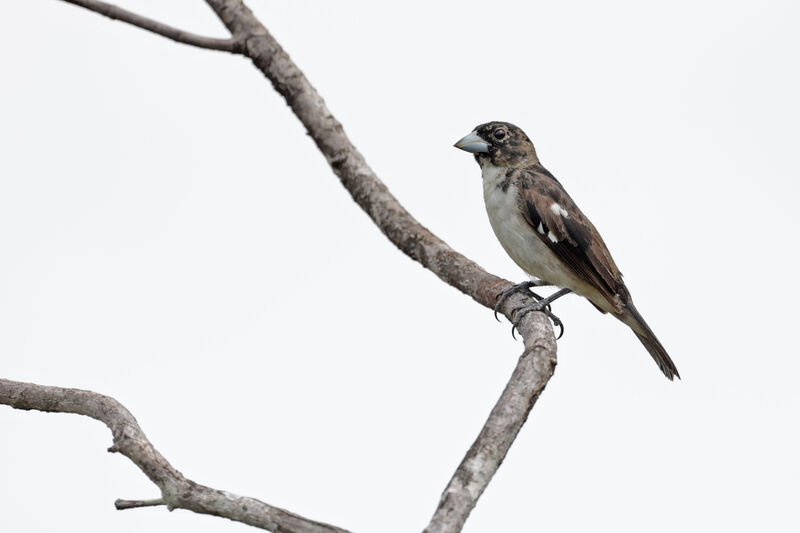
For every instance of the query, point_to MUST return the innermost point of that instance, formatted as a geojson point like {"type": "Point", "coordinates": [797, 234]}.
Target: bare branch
{"type": "Point", "coordinates": [535, 368]}
{"type": "Point", "coordinates": [414, 239]}
{"type": "Point", "coordinates": [177, 492]}
{"type": "Point", "coordinates": [111, 11]}
{"type": "Point", "coordinates": [134, 504]}
{"type": "Point", "coordinates": [537, 363]}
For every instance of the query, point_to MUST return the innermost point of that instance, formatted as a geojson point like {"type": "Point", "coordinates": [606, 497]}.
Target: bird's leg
{"type": "Point", "coordinates": [542, 305]}
{"type": "Point", "coordinates": [519, 287]}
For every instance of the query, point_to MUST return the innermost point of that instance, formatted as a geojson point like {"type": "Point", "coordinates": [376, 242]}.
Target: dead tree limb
{"type": "Point", "coordinates": [117, 13]}
{"type": "Point", "coordinates": [534, 369]}
{"type": "Point", "coordinates": [177, 491]}
{"type": "Point", "coordinates": [414, 239]}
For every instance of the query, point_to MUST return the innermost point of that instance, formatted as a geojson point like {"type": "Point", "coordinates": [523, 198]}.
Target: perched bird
{"type": "Point", "coordinates": [546, 234]}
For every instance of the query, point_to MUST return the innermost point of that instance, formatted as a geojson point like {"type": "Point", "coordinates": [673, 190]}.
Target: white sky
{"type": "Point", "coordinates": [170, 237]}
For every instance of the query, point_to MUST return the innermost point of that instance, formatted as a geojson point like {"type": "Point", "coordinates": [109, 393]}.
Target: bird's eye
{"type": "Point", "coordinates": [499, 134]}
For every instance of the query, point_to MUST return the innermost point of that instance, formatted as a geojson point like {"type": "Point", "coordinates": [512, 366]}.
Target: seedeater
{"type": "Point", "coordinates": [545, 233]}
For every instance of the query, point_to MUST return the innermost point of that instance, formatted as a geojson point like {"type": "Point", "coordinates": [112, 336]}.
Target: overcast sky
{"type": "Point", "coordinates": [169, 236]}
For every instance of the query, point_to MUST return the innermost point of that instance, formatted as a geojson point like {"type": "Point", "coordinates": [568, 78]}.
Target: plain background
{"type": "Point", "coordinates": [169, 236]}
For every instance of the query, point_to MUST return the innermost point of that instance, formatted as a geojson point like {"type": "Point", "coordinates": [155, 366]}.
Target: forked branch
{"type": "Point", "coordinates": [534, 369]}
{"type": "Point", "coordinates": [177, 492]}
{"type": "Point", "coordinates": [117, 13]}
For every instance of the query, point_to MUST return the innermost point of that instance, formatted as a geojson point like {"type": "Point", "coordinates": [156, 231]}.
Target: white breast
{"type": "Point", "coordinates": [516, 236]}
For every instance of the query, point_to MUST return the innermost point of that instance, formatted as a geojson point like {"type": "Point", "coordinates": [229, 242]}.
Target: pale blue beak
{"type": "Point", "coordinates": [473, 143]}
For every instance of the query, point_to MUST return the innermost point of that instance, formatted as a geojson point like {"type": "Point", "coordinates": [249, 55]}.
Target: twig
{"type": "Point", "coordinates": [177, 492]}
{"type": "Point", "coordinates": [133, 504]}
{"type": "Point", "coordinates": [111, 11]}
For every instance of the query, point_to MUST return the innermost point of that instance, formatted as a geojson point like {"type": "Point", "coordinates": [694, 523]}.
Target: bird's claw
{"type": "Point", "coordinates": [557, 322]}
{"type": "Point", "coordinates": [543, 307]}
{"type": "Point", "coordinates": [505, 294]}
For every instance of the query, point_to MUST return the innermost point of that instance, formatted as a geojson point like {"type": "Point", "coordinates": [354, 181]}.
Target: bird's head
{"type": "Point", "coordinates": [499, 143]}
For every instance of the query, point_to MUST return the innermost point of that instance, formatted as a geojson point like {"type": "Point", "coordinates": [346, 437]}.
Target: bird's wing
{"type": "Point", "coordinates": [568, 233]}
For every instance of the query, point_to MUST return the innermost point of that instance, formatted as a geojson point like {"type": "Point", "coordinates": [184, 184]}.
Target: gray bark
{"type": "Point", "coordinates": [177, 492]}
{"type": "Point", "coordinates": [117, 13]}
{"type": "Point", "coordinates": [534, 369]}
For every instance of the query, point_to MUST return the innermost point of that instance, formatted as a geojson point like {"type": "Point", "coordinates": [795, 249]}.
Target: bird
{"type": "Point", "coordinates": [547, 235]}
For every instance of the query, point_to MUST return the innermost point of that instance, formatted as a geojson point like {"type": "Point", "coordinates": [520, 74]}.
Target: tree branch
{"type": "Point", "coordinates": [534, 369]}
{"type": "Point", "coordinates": [134, 504]}
{"type": "Point", "coordinates": [177, 492]}
{"type": "Point", "coordinates": [111, 11]}
{"type": "Point", "coordinates": [419, 243]}
{"type": "Point", "coordinates": [411, 237]}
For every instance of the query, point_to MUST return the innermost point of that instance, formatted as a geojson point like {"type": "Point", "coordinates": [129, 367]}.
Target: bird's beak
{"type": "Point", "coordinates": [473, 143]}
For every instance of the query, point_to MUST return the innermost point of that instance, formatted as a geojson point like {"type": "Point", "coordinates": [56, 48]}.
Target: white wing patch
{"type": "Point", "coordinates": [540, 229]}
{"type": "Point", "coordinates": [558, 210]}
{"type": "Point", "coordinates": [552, 237]}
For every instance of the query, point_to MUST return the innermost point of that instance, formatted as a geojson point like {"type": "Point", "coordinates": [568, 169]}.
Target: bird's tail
{"type": "Point", "coordinates": [648, 338]}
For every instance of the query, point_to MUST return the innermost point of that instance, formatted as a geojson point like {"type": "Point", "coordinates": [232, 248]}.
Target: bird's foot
{"type": "Point", "coordinates": [543, 305]}
{"type": "Point", "coordinates": [525, 286]}
{"type": "Point", "coordinates": [535, 307]}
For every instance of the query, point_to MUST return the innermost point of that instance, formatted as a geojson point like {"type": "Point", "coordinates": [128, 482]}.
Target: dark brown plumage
{"type": "Point", "coordinates": [567, 249]}
{"type": "Point", "coordinates": [579, 245]}
{"type": "Point", "coordinates": [573, 239]}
